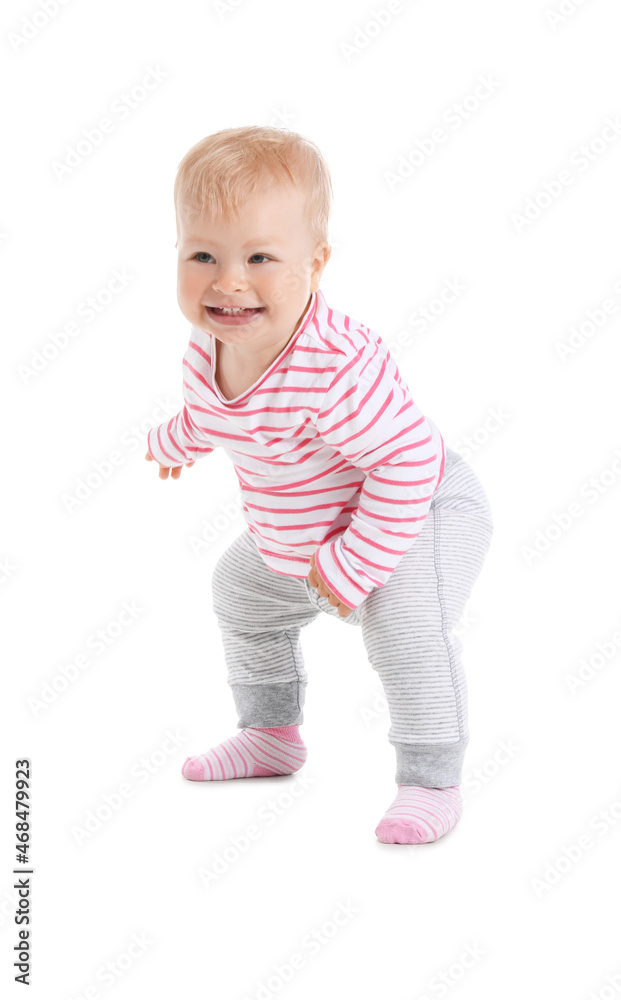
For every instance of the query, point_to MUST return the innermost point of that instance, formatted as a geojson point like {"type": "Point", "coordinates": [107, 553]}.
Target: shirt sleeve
{"type": "Point", "coordinates": [182, 438]}
{"type": "Point", "coordinates": [177, 441]}
{"type": "Point", "coordinates": [369, 416]}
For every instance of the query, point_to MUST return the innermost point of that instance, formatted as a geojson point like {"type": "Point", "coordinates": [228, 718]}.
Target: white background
{"type": "Point", "coordinates": [488, 367]}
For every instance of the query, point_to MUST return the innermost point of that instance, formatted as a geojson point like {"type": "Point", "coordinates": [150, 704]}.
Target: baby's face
{"type": "Point", "coordinates": [266, 260]}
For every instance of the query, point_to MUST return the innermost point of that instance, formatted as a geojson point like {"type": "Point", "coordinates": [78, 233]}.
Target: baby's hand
{"type": "Point", "coordinates": [165, 469]}
{"type": "Point", "coordinates": [315, 581]}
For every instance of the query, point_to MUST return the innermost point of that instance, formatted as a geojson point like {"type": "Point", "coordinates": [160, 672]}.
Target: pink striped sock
{"type": "Point", "coordinates": [420, 815]}
{"type": "Point", "coordinates": [252, 753]}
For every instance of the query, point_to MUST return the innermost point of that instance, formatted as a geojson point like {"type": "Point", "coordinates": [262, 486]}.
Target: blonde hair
{"type": "Point", "coordinates": [222, 170]}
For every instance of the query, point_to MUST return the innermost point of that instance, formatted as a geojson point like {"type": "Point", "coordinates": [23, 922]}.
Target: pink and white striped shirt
{"type": "Point", "coordinates": [332, 455]}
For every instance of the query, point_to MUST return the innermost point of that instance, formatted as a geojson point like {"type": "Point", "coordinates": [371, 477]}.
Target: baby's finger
{"type": "Point", "coordinates": [312, 578]}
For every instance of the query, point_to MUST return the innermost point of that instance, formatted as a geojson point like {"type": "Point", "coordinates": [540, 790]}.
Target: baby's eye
{"type": "Point", "coordinates": [203, 253]}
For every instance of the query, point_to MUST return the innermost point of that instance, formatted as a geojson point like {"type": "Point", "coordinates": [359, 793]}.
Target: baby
{"type": "Point", "coordinates": [354, 506]}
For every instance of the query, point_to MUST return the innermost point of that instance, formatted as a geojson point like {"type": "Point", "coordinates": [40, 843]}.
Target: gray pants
{"type": "Point", "coordinates": [406, 628]}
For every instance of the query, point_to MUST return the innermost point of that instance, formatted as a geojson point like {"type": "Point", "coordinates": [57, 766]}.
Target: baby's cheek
{"type": "Point", "coordinates": [189, 285]}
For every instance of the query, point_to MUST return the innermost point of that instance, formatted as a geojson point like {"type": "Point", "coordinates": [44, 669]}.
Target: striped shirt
{"type": "Point", "coordinates": [332, 455]}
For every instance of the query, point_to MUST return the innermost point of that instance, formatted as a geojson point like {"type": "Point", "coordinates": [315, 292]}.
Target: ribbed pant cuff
{"type": "Point", "coordinates": [433, 765]}
{"type": "Point", "coordinates": [263, 705]}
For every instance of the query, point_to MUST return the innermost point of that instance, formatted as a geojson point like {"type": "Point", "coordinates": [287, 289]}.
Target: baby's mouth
{"type": "Point", "coordinates": [234, 312]}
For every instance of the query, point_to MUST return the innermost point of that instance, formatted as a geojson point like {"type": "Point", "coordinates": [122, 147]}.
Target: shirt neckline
{"type": "Point", "coordinates": [310, 312]}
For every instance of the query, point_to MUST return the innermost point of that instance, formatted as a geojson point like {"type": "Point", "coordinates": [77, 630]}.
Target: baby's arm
{"type": "Point", "coordinates": [182, 439]}
{"type": "Point", "coordinates": [177, 442]}
{"type": "Point", "coordinates": [370, 418]}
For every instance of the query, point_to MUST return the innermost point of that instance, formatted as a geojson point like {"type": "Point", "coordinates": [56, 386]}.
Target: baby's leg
{"type": "Point", "coordinates": [407, 630]}
{"type": "Point", "coordinates": [260, 614]}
